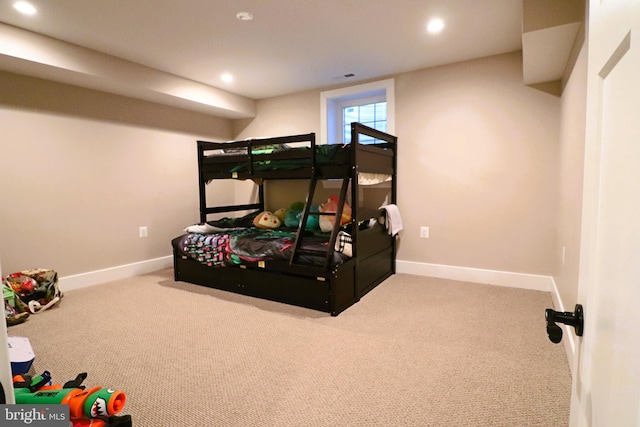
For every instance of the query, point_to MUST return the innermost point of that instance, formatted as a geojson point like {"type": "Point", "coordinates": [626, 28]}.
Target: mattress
{"type": "Point", "coordinates": [252, 246]}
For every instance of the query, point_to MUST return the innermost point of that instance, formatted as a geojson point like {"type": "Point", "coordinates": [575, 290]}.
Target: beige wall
{"type": "Point", "coordinates": [572, 141]}
{"type": "Point", "coordinates": [82, 170]}
{"type": "Point", "coordinates": [478, 163]}
{"type": "Point", "coordinates": [479, 160]}
{"type": "Point", "coordinates": [293, 114]}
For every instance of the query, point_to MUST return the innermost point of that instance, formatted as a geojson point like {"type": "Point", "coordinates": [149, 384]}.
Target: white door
{"type": "Point", "coordinates": [606, 377]}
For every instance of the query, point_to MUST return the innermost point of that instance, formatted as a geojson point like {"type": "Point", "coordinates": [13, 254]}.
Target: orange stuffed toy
{"type": "Point", "coordinates": [331, 205]}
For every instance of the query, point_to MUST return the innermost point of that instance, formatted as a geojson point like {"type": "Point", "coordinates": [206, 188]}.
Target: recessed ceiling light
{"type": "Point", "coordinates": [226, 77]}
{"type": "Point", "coordinates": [244, 16]}
{"type": "Point", "coordinates": [435, 25]}
{"type": "Point", "coordinates": [25, 8]}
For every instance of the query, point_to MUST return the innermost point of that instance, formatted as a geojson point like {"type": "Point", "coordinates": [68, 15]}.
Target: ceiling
{"type": "Point", "coordinates": [289, 46]}
{"type": "Point", "coordinates": [174, 52]}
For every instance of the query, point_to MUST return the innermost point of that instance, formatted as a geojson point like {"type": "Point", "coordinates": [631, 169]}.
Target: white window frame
{"type": "Point", "coordinates": [332, 102]}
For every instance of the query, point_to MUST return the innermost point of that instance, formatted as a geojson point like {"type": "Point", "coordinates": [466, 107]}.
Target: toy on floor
{"type": "Point", "coordinates": [15, 311]}
{"type": "Point", "coordinates": [38, 288]}
{"type": "Point", "coordinates": [95, 407]}
{"type": "Point", "coordinates": [21, 355]}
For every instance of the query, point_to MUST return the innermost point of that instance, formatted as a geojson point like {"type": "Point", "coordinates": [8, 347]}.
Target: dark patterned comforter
{"type": "Point", "coordinates": [250, 245]}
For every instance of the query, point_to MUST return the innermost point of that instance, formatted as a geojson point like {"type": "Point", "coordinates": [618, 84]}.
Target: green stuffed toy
{"type": "Point", "coordinates": [313, 222]}
{"type": "Point", "coordinates": [293, 217]}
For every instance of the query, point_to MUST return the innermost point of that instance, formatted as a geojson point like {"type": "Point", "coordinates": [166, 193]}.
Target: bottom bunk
{"type": "Point", "coordinates": [332, 290]}
{"type": "Point", "coordinates": [332, 293]}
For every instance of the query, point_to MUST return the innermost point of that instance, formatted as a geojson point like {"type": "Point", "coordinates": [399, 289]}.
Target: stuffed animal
{"type": "Point", "coordinates": [280, 213]}
{"type": "Point", "coordinates": [313, 221]}
{"type": "Point", "coordinates": [293, 217]}
{"type": "Point", "coordinates": [266, 219]}
{"type": "Point", "coordinates": [331, 205]}
{"type": "Point", "coordinates": [296, 206]}
{"type": "Point", "coordinates": [293, 214]}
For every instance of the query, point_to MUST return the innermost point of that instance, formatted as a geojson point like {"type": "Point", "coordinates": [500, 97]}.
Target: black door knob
{"type": "Point", "coordinates": [575, 319]}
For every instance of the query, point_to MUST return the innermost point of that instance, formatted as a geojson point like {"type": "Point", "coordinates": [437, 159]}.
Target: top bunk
{"type": "Point", "coordinates": [299, 156]}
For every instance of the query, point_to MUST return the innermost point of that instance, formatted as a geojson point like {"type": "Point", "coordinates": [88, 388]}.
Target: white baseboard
{"type": "Point", "coordinates": [83, 280]}
{"type": "Point", "coordinates": [477, 275]}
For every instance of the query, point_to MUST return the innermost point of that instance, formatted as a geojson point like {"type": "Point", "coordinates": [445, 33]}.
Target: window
{"type": "Point", "coordinates": [371, 104]}
{"type": "Point", "coordinates": [373, 115]}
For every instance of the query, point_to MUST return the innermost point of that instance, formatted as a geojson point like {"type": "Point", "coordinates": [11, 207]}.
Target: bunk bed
{"type": "Point", "coordinates": [327, 271]}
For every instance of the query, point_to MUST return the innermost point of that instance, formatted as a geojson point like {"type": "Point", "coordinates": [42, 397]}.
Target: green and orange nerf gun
{"type": "Point", "coordinates": [95, 407]}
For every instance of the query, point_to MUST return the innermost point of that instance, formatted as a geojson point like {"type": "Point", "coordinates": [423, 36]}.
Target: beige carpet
{"type": "Point", "coordinates": [415, 351]}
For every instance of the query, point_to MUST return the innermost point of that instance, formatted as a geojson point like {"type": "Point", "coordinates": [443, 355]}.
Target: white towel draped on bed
{"type": "Point", "coordinates": [393, 220]}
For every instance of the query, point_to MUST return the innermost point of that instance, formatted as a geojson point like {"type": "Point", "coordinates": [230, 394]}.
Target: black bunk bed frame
{"type": "Point", "coordinates": [329, 288]}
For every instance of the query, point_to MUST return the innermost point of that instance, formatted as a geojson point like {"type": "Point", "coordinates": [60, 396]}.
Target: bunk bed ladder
{"type": "Point", "coordinates": [328, 254]}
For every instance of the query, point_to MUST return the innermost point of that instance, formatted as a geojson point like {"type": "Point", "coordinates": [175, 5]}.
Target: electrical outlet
{"type": "Point", "coordinates": [424, 232]}
{"type": "Point", "coordinates": [143, 231]}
